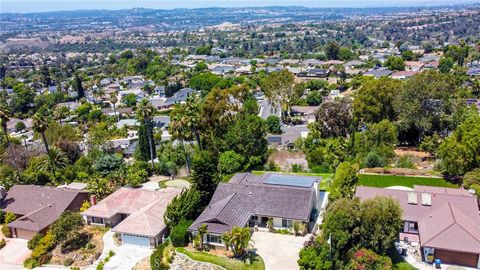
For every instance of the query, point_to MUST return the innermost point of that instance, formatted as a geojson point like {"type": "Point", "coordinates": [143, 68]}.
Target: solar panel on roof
{"type": "Point", "coordinates": [290, 180]}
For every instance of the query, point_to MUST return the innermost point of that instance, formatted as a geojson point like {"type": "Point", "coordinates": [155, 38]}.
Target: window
{"type": "Point", "coordinates": [97, 220]}
{"type": "Point", "coordinates": [255, 218]}
{"type": "Point", "coordinates": [287, 223]}
{"type": "Point", "coordinates": [211, 238]}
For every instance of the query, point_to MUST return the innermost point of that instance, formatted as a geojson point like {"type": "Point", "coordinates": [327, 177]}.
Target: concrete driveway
{"type": "Point", "coordinates": [126, 256]}
{"type": "Point", "coordinates": [279, 252]}
{"type": "Point", "coordinates": [14, 253]}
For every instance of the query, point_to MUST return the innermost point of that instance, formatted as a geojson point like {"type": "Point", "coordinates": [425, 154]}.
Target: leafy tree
{"type": "Point", "coordinates": [460, 152]}
{"type": "Point", "coordinates": [408, 55]}
{"type": "Point", "coordinates": [21, 98]}
{"type": "Point", "coordinates": [395, 63]}
{"type": "Point", "coordinates": [332, 50]}
{"type": "Point", "coordinates": [445, 64]}
{"type": "Point", "coordinates": [280, 88]}
{"type": "Point", "coordinates": [273, 125]}
{"type": "Point", "coordinates": [99, 187]}
{"type": "Point", "coordinates": [179, 234]}
{"type": "Point", "coordinates": [204, 50]}
{"type": "Point", "coordinates": [204, 82]}
{"type": "Point", "coordinates": [334, 118]}
{"type": "Point", "coordinates": [185, 206]}
{"type": "Point", "coordinates": [246, 136]}
{"type": "Point", "coordinates": [68, 223]}
{"type": "Point", "coordinates": [3, 121]}
{"type": "Point", "coordinates": [345, 54]}
{"type": "Point", "coordinates": [424, 104]}
{"type": "Point", "coordinates": [204, 177]}
{"type": "Point", "coordinates": [314, 98]}
{"type": "Point", "coordinates": [19, 127]}
{"type": "Point", "coordinates": [230, 162]}
{"type": "Point", "coordinates": [107, 164]}
{"type": "Point", "coordinates": [83, 111]}
{"type": "Point", "coordinates": [374, 101]}
{"type": "Point", "coordinates": [344, 181]}
{"type": "Point", "coordinates": [130, 100]}
{"type": "Point", "coordinates": [381, 138]}
{"type": "Point", "coordinates": [201, 66]}
{"type": "Point", "coordinates": [381, 222]}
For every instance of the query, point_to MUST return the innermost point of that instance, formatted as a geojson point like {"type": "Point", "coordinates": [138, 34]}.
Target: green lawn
{"type": "Point", "coordinates": [324, 184]}
{"type": "Point", "coordinates": [253, 262]}
{"type": "Point", "coordinates": [373, 180]}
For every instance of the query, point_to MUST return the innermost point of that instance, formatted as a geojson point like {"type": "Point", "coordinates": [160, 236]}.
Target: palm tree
{"type": "Point", "coordinates": [239, 240]}
{"type": "Point", "coordinates": [56, 160]}
{"type": "Point", "coordinates": [145, 111]}
{"type": "Point", "coordinates": [40, 125]}
{"type": "Point", "coordinates": [192, 115]}
{"type": "Point", "coordinates": [114, 100]}
{"type": "Point", "coordinates": [202, 230]}
{"type": "Point", "coordinates": [4, 120]}
{"type": "Point", "coordinates": [178, 130]}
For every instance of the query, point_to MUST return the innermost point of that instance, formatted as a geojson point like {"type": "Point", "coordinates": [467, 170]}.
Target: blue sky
{"type": "Point", "coordinates": [55, 5]}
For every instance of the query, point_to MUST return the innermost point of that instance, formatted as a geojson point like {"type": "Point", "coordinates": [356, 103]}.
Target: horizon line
{"type": "Point", "coordinates": [410, 5]}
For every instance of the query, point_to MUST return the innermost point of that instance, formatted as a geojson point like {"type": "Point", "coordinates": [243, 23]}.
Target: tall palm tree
{"type": "Point", "coordinates": [56, 160]}
{"type": "Point", "coordinates": [192, 115]}
{"type": "Point", "coordinates": [40, 125]}
{"type": "Point", "coordinates": [114, 100]}
{"type": "Point", "coordinates": [4, 120]}
{"type": "Point", "coordinates": [145, 111]}
{"type": "Point", "coordinates": [178, 130]}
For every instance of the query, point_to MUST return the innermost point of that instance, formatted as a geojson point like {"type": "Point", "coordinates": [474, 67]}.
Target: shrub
{"type": "Point", "coordinates": [111, 253]}
{"type": "Point", "coordinates": [297, 168]}
{"type": "Point", "coordinates": [230, 162]}
{"type": "Point", "coordinates": [68, 223]}
{"type": "Point", "coordinates": [90, 245]}
{"type": "Point", "coordinates": [6, 231]}
{"type": "Point", "coordinates": [179, 234]}
{"type": "Point", "coordinates": [68, 262]}
{"type": "Point", "coordinates": [100, 266]}
{"type": "Point", "coordinates": [85, 205]}
{"type": "Point", "coordinates": [9, 217]}
{"type": "Point", "coordinates": [2, 243]}
{"type": "Point", "coordinates": [405, 162]}
{"type": "Point", "coordinates": [75, 241]}
{"type": "Point", "coordinates": [374, 160]}
{"type": "Point", "coordinates": [157, 258]}
{"type": "Point", "coordinates": [2, 216]}
{"type": "Point", "coordinates": [32, 243]}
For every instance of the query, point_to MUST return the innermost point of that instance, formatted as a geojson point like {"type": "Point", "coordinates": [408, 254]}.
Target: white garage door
{"type": "Point", "coordinates": [136, 240]}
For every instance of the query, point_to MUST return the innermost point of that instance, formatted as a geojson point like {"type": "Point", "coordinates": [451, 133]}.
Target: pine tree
{"type": "Point", "coordinates": [77, 86]}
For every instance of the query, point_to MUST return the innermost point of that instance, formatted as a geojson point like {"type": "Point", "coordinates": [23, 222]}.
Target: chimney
{"type": "Point", "coordinates": [93, 200]}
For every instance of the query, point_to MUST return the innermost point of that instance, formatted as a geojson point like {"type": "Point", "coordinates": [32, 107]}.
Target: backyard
{"type": "Point", "coordinates": [376, 180]}
{"type": "Point", "coordinates": [251, 262]}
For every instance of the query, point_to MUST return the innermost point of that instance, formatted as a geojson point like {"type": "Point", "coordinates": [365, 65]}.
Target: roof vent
{"type": "Point", "coordinates": [412, 198]}
{"type": "Point", "coordinates": [250, 193]}
{"type": "Point", "coordinates": [426, 199]}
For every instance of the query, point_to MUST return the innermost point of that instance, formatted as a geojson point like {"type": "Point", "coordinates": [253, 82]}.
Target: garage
{"type": "Point", "coordinates": [137, 240]}
{"type": "Point", "coordinates": [24, 234]}
{"type": "Point", "coordinates": [460, 258]}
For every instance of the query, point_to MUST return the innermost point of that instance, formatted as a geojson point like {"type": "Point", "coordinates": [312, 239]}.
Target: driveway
{"type": "Point", "coordinates": [126, 256]}
{"type": "Point", "coordinates": [278, 251]}
{"type": "Point", "coordinates": [14, 253]}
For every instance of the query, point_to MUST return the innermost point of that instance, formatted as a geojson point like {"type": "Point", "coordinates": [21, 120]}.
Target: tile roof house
{"type": "Point", "coordinates": [251, 200]}
{"type": "Point", "coordinates": [136, 214]}
{"type": "Point", "coordinates": [445, 221]}
{"type": "Point", "coordinates": [36, 207]}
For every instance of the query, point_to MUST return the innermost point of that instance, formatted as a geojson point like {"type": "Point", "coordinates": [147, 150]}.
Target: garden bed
{"type": "Point", "coordinates": [83, 256]}
{"type": "Point", "coordinates": [250, 262]}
